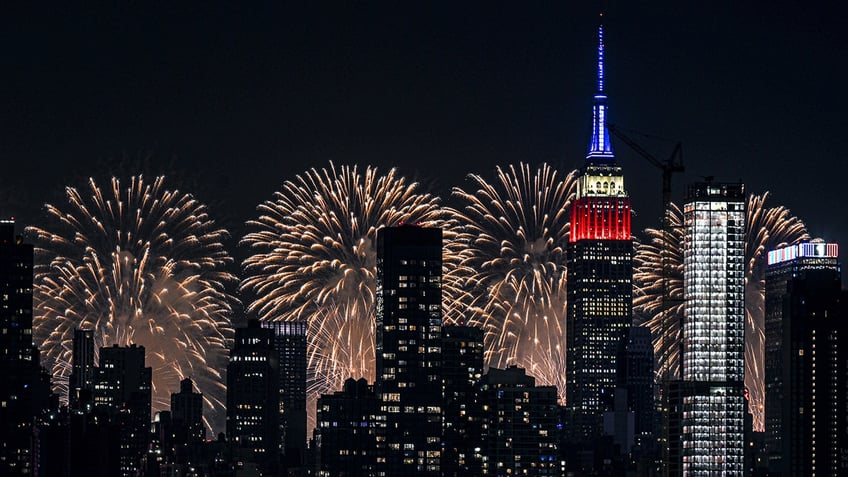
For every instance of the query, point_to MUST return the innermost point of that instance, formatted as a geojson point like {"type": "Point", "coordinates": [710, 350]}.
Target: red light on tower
{"type": "Point", "coordinates": [600, 218]}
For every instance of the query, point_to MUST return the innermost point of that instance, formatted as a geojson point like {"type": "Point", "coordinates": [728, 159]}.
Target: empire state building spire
{"type": "Point", "coordinates": [600, 148]}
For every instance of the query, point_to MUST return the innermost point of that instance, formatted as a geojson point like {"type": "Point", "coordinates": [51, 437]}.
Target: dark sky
{"type": "Point", "coordinates": [233, 98]}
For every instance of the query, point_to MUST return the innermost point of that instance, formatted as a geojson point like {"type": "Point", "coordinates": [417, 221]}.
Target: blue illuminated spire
{"type": "Point", "coordinates": [600, 148]}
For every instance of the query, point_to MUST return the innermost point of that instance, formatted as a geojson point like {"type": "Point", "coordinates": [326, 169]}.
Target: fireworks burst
{"type": "Point", "coordinates": [142, 265]}
{"type": "Point", "coordinates": [766, 228]}
{"type": "Point", "coordinates": [509, 261]}
{"type": "Point", "coordinates": [314, 257]}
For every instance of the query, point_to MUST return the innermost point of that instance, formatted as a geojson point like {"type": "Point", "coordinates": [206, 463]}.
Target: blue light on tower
{"type": "Point", "coordinates": [600, 147]}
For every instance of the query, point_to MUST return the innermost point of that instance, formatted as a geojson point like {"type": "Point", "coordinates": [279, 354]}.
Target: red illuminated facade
{"type": "Point", "coordinates": [600, 219]}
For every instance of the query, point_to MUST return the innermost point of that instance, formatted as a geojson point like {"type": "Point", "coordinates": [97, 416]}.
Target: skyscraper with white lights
{"type": "Point", "coordinates": [712, 391]}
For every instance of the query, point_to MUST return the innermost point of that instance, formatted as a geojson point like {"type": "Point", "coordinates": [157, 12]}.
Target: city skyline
{"type": "Point", "coordinates": [614, 82]}
{"type": "Point", "coordinates": [441, 98]}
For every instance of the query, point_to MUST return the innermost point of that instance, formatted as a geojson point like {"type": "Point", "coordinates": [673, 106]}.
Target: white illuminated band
{"type": "Point", "coordinates": [813, 250]}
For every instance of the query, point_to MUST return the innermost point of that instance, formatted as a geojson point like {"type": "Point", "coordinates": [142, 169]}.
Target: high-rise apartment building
{"type": "Point", "coordinates": [347, 423]}
{"type": "Point", "coordinates": [83, 371]}
{"type": "Point", "coordinates": [253, 395]}
{"type": "Point", "coordinates": [19, 367]}
{"type": "Point", "coordinates": [712, 391]}
{"type": "Point", "coordinates": [122, 389]}
{"type": "Point", "coordinates": [600, 273]}
{"type": "Point", "coordinates": [462, 368]}
{"type": "Point", "coordinates": [519, 426]}
{"type": "Point", "coordinates": [806, 381]}
{"type": "Point", "coordinates": [408, 348]}
{"type": "Point", "coordinates": [290, 344]}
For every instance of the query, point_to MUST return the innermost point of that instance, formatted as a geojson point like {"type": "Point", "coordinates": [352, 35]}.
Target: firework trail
{"type": "Point", "coordinates": [766, 228]}
{"type": "Point", "coordinates": [314, 257]}
{"type": "Point", "coordinates": [507, 265]}
{"type": "Point", "coordinates": [142, 265]}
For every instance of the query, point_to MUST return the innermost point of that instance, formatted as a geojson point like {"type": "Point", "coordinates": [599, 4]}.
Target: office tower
{"type": "Point", "coordinates": [122, 389]}
{"type": "Point", "coordinates": [462, 368]}
{"type": "Point", "coordinates": [519, 432]}
{"type": "Point", "coordinates": [785, 264]}
{"type": "Point", "coordinates": [409, 352]}
{"type": "Point", "coordinates": [81, 381]}
{"type": "Point", "coordinates": [19, 368]}
{"type": "Point", "coordinates": [253, 395]}
{"type": "Point", "coordinates": [810, 387]}
{"type": "Point", "coordinates": [713, 352]}
{"type": "Point", "coordinates": [600, 272]}
{"type": "Point", "coordinates": [290, 343]}
{"type": "Point", "coordinates": [347, 431]}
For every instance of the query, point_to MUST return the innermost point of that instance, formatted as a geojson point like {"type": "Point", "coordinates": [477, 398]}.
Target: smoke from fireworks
{"type": "Point", "coordinates": [142, 265]}
{"type": "Point", "coordinates": [314, 258]}
{"type": "Point", "coordinates": [509, 261]}
{"type": "Point", "coordinates": [766, 228]}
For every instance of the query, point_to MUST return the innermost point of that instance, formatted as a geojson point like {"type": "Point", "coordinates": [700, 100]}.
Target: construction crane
{"type": "Point", "coordinates": [673, 164]}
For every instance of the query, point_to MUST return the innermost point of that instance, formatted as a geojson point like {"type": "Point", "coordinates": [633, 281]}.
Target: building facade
{"type": "Point", "coordinates": [600, 274]}
{"type": "Point", "coordinates": [462, 369]}
{"type": "Point", "coordinates": [784, 264]}
{"type": "Point", "coordinates": [122, 389]}
{"type": "Point", "coordinates": [290, 344]}
{"type": "Point", "coordinates": [713, 405]}
{"type": "Point", "coordinates": [519, 426]}
{"type": "Point", "coordinates": [806, 425]}
{"type": "Point", "coordinates": [81, 381]}
{"type": "Point", "coordinates": [253, 396]}
{"type": "Point", "coordinates": [19, 366]}
{"type": "Point", "coordinates": [347, 423]}
{"type": "Point", "coordinates": [408, 348]}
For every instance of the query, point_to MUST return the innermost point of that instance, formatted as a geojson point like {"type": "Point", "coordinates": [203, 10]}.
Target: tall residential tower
{"type": "Point", "coordinates": [712, 392]}
{"type": "Point", "coordinates": [409, 350]}
{"type": "Point", "coordinates": [600, 273]}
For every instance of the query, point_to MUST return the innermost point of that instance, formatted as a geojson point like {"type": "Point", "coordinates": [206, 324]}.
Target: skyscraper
{"type": "Point", "coordinates": [600, 272]}
{"type": "Point", "coordinates": [290, 344]}
{"type": "Point", "coordinates": [122, 388]}
{"type": "Point", "coordinates": [81, 381]}
{"type": "Point", "coordinates": [408, 348]}
{"type": "Point", "coordinates": [253, 395]}
{"type": "Point", "coordinates": [806, 384]}
{"type": "Point", "coordinates": [19, 368]}
{"type": "Point", "coordinates": [713, 366]}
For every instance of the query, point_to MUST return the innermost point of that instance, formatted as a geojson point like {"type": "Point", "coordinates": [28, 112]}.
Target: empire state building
{"type": "Point", "coordinates": [600, 272]}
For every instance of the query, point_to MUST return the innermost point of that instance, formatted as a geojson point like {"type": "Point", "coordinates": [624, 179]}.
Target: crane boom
{"type": "Point", "coordinates": [673, 164]}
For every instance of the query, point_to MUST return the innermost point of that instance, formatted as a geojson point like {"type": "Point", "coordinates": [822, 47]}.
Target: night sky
{"type": "Point", "coordinates": [231, 99]}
